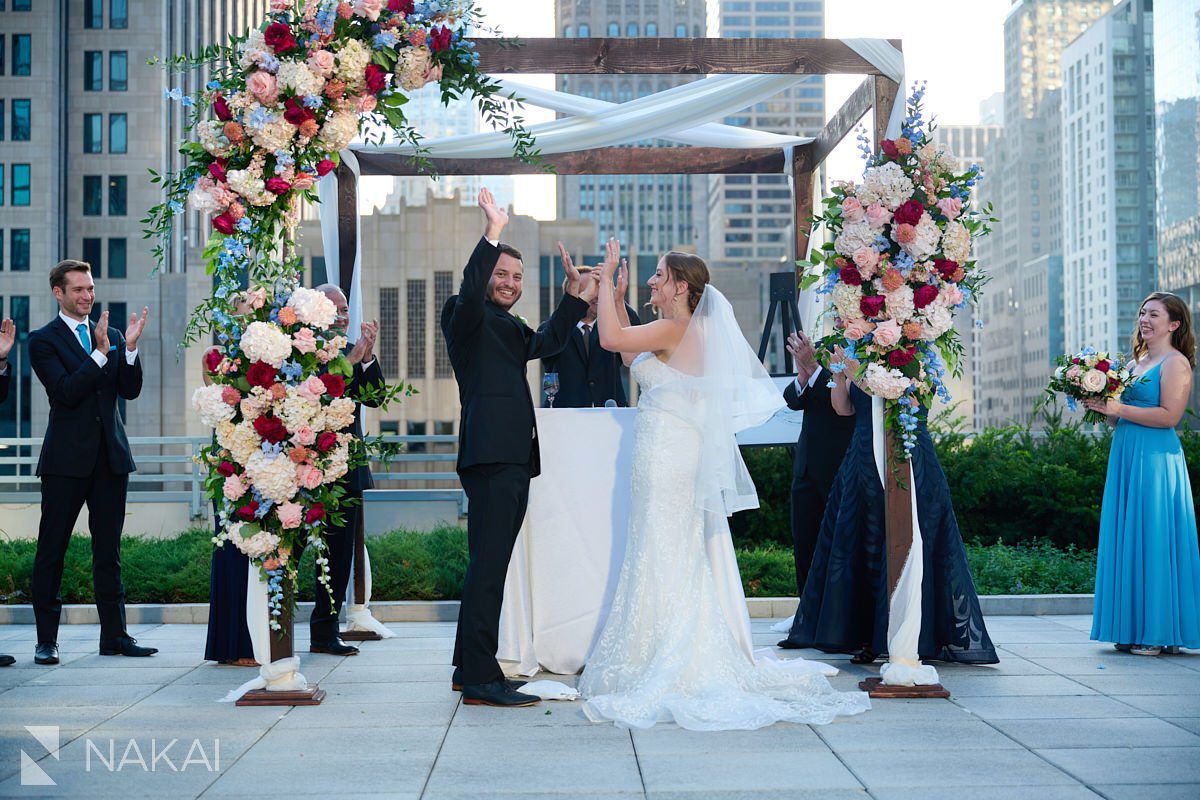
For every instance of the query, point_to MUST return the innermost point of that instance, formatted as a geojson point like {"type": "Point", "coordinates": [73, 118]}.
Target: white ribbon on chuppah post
{"type": "Point", "coordinates": [358, 615]}
{"type": "Point", "coordinates": [275, 676]}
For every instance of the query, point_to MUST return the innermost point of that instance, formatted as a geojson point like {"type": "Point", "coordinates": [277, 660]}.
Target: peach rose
{"type": "Point", "coordinates": [236, 211]}
{"type": "Point", "coordinates": [866, 259]}
{"type": "Point", "coordinates": [263, 86]}
{"type": "Point", "coordinates": [892, 280]}
{"type": "Point", "coordinates": [852, 209]}
{"type": "Point", "coordinates": [321, 62]}
{"type": "Point", "coordinates": [858, 329]}
{"type": "Point", "coordinates": [364, 104]}
{"type": "Point", "coordinates": [904, 146]}
{"type": "Point", "coordinates": [309, 476]}
{"type": "Point", "coordinates": [950, 206]}
{"type": "Point", "coordinates": [233, 132]}
{"type": "Point", "coordinates": [290, 514]}
{"type": "Point", "coordinates": [304, 341]}
{"type": "Point", "coordinates": [304, 436]}
{"type": "Point", "coordinates": [270, 563]}
{"type": "Point", "coordinates": [304, 180]}
{"type": "Point", "coordinates": [887, 333]}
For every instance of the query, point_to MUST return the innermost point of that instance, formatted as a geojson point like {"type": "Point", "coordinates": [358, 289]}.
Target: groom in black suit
{"type": "Point", "coordinates": [85, 456]}
{"type": "Point", "coordinates": [489, 348]}
{"type": "Point", "coordinates": [819, 451]}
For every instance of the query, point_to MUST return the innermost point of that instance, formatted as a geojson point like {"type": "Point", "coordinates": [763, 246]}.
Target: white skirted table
{"type": "Point", "coordinates": [564, 568]}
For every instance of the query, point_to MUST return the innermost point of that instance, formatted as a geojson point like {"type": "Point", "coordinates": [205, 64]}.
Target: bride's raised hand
{"type": "Point", "coordinates": [612, 257]}
{"type": "Point", "coordinates": [622, 281]}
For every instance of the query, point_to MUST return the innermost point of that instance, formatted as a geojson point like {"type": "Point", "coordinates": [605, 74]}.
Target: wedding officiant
{"type": "Point", "coordinates": [588, 375]}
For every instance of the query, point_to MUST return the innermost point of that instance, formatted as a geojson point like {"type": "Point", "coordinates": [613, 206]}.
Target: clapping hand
{"type": "Point", "coordinates": [801, 348]}
{"type": "Point", "coordinates": [612, 258]}
{"type": "Point", "coordinates": [8, 336]}
{"type": "Point", "coordinates": [134, 331]}
{"type": "Point", "coordinates": [575, 282]}
{"type": "Point", "coordinates": [364, 348]}
{"type": "Point", "coordinates": [496, 216]}
{"type": "Point", "coordinates": [622, 282]}
{"type": "Point", "coordinates": [101, 334]}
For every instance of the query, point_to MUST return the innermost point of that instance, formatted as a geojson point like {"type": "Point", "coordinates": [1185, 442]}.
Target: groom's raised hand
{"type": "Point", "coordinates": [496, 216]}
{"type": "Point", "coordinates": [574, 280]}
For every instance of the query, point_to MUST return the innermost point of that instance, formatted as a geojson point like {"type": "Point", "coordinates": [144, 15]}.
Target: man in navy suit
{"type": "Point", "coordinates": [8, 335]}
{"type": "Point", "coordinates": [85, 455]}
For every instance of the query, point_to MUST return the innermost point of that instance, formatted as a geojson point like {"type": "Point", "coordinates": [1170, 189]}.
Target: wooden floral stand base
{"type": "Point", "coordinates": [282, 646]}
{"type": "Point", "coordinates": [875, 687]}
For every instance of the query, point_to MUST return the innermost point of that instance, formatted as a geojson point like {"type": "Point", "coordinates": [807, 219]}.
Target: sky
{"type": "Point", "coordinates": [956, 46]}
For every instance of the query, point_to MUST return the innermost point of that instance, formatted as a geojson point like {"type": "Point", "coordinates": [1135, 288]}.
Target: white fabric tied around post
{"type": "Point", "coordinates": [358, 615]}
{"type": "Point", "coordinates": [274, 676]}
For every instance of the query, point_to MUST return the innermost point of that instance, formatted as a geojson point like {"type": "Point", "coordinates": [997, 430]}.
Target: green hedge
{"type": "Point", "coordinates": [431, 566]}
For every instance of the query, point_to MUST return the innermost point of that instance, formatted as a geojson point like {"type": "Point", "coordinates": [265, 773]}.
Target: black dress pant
{"type": "Point", "coordinates": [323, 624]}
{"type": "Point", "coordinates": [498, 495]}
{"type": "Point", "coordinates": [808, 509]}
{"type": "Point", "coordinates": [62, 498]}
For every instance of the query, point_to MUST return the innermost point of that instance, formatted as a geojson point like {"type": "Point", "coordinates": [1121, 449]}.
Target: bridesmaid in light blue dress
{"type": "Point", "coordinates": [1148, 561]}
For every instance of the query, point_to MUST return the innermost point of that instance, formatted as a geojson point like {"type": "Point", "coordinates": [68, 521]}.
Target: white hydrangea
{"type": "Point", "coordinates": [938, 320]}
{"type": "Point", "coordinates": [886, 184]}
{"type": "Point", "coordinates": [884, 382]}
{"type": "Point", "coordinates": [412, 63]}
{"type": "Point", "coordinates": [899, 304]}
{"type": "Point", "coordinates": [273, 475]}
{"type": "Point", "coordinates": [211, 134]}
{"type": "Point", "coordinates": [298, 78]}
{"type": "Point", "coordinates": [846, 300]}
{"type": "Point", "coordinates": [207, 402]}
{"type": "Point", "coordinates": [338, 131]}
{"type": "Point", "coordinates": [297, 411]}
{"type": "Point", "coordinates": [249, 186]}
{"type": "Point", "coordinates": [926, 242]}
{"type": "Point", "coordinates": [339, 461]}
{"type": "Point", "coordinates": [241, 440]}
{"type": "Point", "coordinates": [264, 341]}
{"type": "Point", "coordinates": [956, 242]}
{"type": "Point", "coordinates": [253, 50]}
{"type": "Point", "coordinates": [274, 134]}
{"type": "Point", "coordinates": [339, 414]}
{"type": "Point", "coordinates": [262, 543]}
{"type": "Point", "coordinates": [312, 307]}
{"type": "Point", "coordinates": [854, 235]}
{"type": "Point", "coordinates": [352, 60]}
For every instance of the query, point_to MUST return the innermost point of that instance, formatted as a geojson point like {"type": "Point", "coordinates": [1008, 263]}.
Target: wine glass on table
{"type": "Point", "coordinates": [550, 386]}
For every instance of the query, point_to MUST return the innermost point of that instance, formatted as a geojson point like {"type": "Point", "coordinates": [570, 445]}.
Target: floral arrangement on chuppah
{"type": "Point", "coordinates": [897, 267]}
{"type": "Point", "coordinates": [281, 103]}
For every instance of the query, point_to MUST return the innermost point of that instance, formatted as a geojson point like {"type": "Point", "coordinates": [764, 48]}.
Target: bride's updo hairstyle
{"type": "Point", "coordinates": [690, 269]}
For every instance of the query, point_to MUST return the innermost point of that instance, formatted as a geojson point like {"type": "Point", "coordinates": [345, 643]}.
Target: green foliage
{"type": "Point", "coordinates": [770, 523]}
{"type": "Point", "coordinates": [1036, 568]}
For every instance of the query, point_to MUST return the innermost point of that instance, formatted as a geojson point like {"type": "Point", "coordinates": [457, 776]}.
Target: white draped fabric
{"type": "Point", "coordinates": [274, 676]}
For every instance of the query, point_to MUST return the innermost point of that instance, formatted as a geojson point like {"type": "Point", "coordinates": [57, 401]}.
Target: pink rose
{"type": "Point", "coordinates": [303, 181]}
{"type": "Point", "coordinates": [952, 295]}
{"type": "Point", "coordinates": [858, 329]}
{"type": "Point", "coordinates": [312, 388]}
{"type": "Point", "coordinates": [887, 333]}
{"type": "Point", "coordinates": [263, 86]}
{"type": "Point", "coordinates": [305, 435]}
{"type": "Point", "coordinates": [866, 259]}
{"type": "Point", "coordinates": [1073, 372]}
{"type": "Point", "coordinates": [308, 476]}
{"type": "Point", "coordinates": [234, 488]}
{"type": "Point", "coordinates": [904, 233]}
{"type": "Point", "coordinates": [279, 6]}
{"type": "Point", "coordinates": [257, 297]}
{"type": "Point", "coordinates": [878, 215]}
{"type": "Point", "coordinates": [321, 62]}
{"type": "Point", "coordinates": [231, 396]}
{"type": "Point", "coordinates": [304, 341]}
{"type": "Point", "coordinates": [852, 209]}
{"type": "Point", "coordinates": [365, 104]}
{"type": "Point", "coordinates": [368, 8]}
{"type": "Point", "coordinates": [290, 514]}
{"type": "Point", "coordinates": [950, 206]}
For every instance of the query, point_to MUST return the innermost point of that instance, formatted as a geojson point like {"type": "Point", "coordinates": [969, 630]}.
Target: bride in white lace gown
{"type": "Point", "coordinates": [677, 645]}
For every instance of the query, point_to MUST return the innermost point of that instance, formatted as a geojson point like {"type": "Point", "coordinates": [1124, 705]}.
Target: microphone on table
{"type": "Point", "coordinates": [610, 403]}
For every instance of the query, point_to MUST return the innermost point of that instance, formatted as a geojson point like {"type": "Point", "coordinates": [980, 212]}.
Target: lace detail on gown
{"type": "Point", "coordinates": [667, 651]}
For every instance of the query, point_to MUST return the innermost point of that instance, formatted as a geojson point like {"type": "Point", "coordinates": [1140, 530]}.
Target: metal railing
{"type": "Point", "coordinates": [169, 473]}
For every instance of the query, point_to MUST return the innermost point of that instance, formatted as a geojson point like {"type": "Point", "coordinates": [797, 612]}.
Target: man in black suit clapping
{"type": "Point", "coordinates": [588, 375]}
{"type": "Point", "coordinates": [85, 456]}
{"type": "Point", "coordinates": [8, 336]}
{"type": "Point", "coordinates": [820, 449]}
{"type": "Point", "coordinates": [498, 454]}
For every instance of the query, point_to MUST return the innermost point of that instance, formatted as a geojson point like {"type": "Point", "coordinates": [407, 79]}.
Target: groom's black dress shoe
{"type": "Point", "coordinates": [456, 681]}
{"type": "Point", "coordinates": [125, 646]}
{"type": "Point", "coordinates": [496, 693]}
{"type": "Point", "coordinates": [788, 644]}
{"type": "Point", "coordinates": [46, 653]}
{"type": "Point", "coordinates": [334, 648]}
{"type": "Point", "coordinates": [7, 661]}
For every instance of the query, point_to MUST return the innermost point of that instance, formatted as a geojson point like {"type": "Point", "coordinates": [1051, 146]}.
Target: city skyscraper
{"type": "Point", "coordinates": [1177, 145]}
{"type": "Point", "coordinates": [88, 119]}
{"type": "Point", "coordinates": [751, 216]}
{"type": "Point", "coordinates": [648, 213]}
{"type": "Point", "coordinates": [1108, 175]}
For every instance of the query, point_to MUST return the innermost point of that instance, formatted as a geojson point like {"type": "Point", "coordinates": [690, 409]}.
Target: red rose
{"type": "Point", "coordinates": [945, 267]}
{"type": "Point", "coordinates": [295, 112]}
{"type": "Point", "coordinates": [217, 172]}
{"type": "Point", "coordinates": [270, 429]}
{"type": "Point", "coordinates": [225, 469]}
{"type": "Point", "coordinates": [1102, 366]}
{"type": "Point", "coordinates": [850, 275]}
{"type": "Point", "coordinates": [221, 109]}
{"type": "Point", "coordinates": [924, 295]}
{"type": "Point", "coordinates": [260, 374]}
{"type": "Point", "coordinates": [334, 384]}
{"type": "Point", "coordinates": [325, 166]}
{"type": "Point", "coordinates": [278, 37]}
{"type": "Point", "coordinates": [247, 511]}
{"type": "Point", "coordinates": [278, 185]}
{"type": "Point", "coordinates": [899, 358]}
{"type": "Point", "coordinates": [889, 148]}
{"type": "Point", "coordinates": [223, 222]}
{"type": "Point", "coordinates": [404, 7]}
{"type": "Point", "coordinates": [439, 38]}
{"type": "Point", "coordinates": [909, 213]}
{"type": "Point", "coordinates": [376, 78]}
{"type": "Point", "coordinates": [326, 441]}
{"type": "Point", "coordinates": [871, 306]}
{"type": "Point", "coordinates": [212, 360]}
{"type": "Point", "coordinates": [317, 512]}
{"type": "Point", "coordinates": [1113, 383]}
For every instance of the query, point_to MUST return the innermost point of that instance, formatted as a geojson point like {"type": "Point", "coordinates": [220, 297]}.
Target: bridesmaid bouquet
{"type": "Point", "coordinates": [1090, 375]}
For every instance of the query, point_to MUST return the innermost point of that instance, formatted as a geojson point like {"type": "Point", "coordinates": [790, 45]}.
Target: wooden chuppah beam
{"type": "Point", "coordinates": [673, 56]}
{"type": "Point", "coordinates": [601, 161]}
{"type": "Point", "coordinates": [853, 110]}
{"type": "Point", "coordinates": [802, 201]}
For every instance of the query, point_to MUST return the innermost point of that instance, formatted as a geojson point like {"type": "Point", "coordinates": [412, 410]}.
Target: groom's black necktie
{"type": "Point", "coordinates": [587, 330]}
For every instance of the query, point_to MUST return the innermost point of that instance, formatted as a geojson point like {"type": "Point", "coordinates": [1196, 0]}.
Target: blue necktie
{"type": "Point", "coordinates": [82, 330]}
